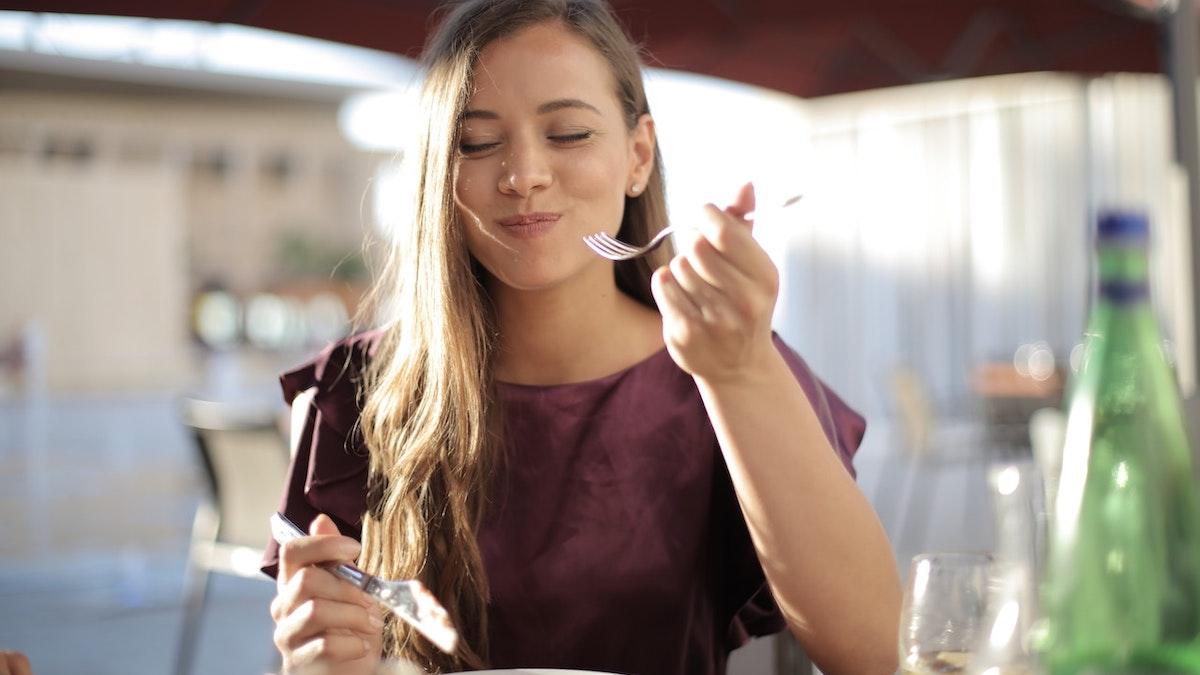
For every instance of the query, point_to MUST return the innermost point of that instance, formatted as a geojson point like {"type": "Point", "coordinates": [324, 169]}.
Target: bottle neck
{"type": "Point", "coordinates": [1124, 273]}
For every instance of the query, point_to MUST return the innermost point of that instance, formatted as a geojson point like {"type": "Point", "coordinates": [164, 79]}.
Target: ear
{"type": "Point", "coordinates": [641, 155]}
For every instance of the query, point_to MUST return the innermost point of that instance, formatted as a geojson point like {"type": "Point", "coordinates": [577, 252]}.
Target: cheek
{"type": "Point", "coordinates": [598, 180]}
{"type": "Point", "coordinates": [471, 194]}
{"type": "Point", "coordinates": [486, 251]}
{"type": "Point", "coordinates": [468, 205]}
{"type": "Point", "coordinates": [469, 186]}
{"type": "Point", "coordinates": [476, 240]}
{"type": "Point", "coordinates": [594, 174]}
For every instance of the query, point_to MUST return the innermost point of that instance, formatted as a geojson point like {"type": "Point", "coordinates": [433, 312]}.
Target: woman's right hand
{"type": "Point", "coordinates": [319, 618]}
{"type": "Point", "coordinates": [14, 663]}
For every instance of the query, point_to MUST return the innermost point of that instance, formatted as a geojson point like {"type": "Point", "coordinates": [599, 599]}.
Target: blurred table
{"type": "Point", "coordinates": [1009, 399]}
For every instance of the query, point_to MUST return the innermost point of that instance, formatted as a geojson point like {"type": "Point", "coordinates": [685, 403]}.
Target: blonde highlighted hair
{"type": "Point", "coordinates": [430, 414]}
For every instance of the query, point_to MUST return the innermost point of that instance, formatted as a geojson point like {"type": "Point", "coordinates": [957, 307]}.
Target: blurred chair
{"type": "Point", "coordinates": [937, 454]}
{"type": "Point", "coordinates": [915, 413]}
{"type": "Point", "coordinates": [12, 367]}
{"type": "Point", "coordinates": [23, 363]}
{"type": "Point", "coordinates": [244, 456]}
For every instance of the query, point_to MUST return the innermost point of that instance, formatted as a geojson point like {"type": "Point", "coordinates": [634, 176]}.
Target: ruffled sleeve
{"type": "Point", "coordinates": [328, 473]}
{"type": "Point", "coordinates": [747, 596]}
{"type": "Point", "coordinates": [843, 426]}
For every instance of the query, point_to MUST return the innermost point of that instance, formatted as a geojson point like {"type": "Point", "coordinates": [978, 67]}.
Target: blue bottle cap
{"type": "Point", "coordinates": [1116, 225]}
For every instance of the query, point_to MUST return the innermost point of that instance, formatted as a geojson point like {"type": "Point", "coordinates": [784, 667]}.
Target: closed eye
{"type": "Point", "coordinates": [567, 139]}
{"type": "Point", "coordinates": [475, 148]}
{"type": "Point", "coordinates": [560, 139]}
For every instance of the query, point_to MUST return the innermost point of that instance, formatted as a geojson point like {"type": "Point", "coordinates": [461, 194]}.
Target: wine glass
{"type": "Point", "coordinates": [943, 615]}
{"type": "Point", "coordinates": [1018, 517]}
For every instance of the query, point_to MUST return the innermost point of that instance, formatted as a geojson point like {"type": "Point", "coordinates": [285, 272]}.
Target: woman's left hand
{"type": "Point", "coordinates": [717, 297]}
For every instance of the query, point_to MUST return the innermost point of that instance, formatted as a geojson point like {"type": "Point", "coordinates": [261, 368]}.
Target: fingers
{"type": "Point", "coordinates": [708, 300]}
{"type": "Point", "coordinates": [718, 295]}
{"type": "Point", "coordinates": [14, 663]}
{"type": "Point", "coordinates": [318, 617]}
{"type": "Point", "coordinates": [714, 280]}
{"type": "Point", "coordinates": [313, 583]}
{"type": "Point", "coordinates": [334, 648]}
{"type": "Point", "coordinates": [323, 524]}
{"type": "Point", "coordinates": [715, 269]}
{"type": "Point", "coordinates": [328, 631]}
{"type": "Point", "coordinates": [743, 203]}
{"type": "Point", "coordinates": [732, 303]}
{"type": "Point", "coordinates": [732, 239]}
{"type": "Point", "coordinates": [321, 547]}
{"type": "Point", "coordinates": [672, 300]}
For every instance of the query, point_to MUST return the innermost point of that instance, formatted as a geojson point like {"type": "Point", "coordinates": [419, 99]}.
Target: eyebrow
{"type": "Point", "coordinates": [547, 107]}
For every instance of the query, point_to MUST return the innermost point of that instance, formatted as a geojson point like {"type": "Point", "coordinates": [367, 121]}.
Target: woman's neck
{"type": "Point", "coordinates": [574, 332]}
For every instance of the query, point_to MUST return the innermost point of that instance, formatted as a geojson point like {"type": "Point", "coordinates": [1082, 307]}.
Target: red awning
{"type": "Point", "coordinates": [807, 48]}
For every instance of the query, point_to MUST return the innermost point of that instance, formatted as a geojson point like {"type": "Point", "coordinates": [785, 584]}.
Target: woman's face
{"type": "Point", "coordinates": [545, 157]}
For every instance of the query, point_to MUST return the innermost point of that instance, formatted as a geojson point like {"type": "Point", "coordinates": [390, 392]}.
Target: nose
{"type": "Point", "coordinates": [525, 169]}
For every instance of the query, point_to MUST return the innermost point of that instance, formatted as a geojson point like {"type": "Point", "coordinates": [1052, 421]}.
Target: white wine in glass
{"type": "Point", "coordinates": [944, 610]}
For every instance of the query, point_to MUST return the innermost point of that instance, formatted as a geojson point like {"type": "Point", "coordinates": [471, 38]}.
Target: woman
{"type": "Point", "coordinates": [556, 445]}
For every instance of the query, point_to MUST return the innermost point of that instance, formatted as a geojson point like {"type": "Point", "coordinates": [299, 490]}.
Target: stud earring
{"type": "Point", "coordinates": [635, 189]}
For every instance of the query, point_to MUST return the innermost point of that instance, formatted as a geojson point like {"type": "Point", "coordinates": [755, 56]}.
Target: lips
{"type": "Point", "coordinates": [529, 224]}
{"type": "Point", "coordinates": [527, 219]}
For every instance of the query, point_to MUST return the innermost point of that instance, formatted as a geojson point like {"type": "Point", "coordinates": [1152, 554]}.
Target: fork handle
{"type": "Point", "coordinates": [284, 530]}
{"type": "Point", "coordinates": [351, 573]}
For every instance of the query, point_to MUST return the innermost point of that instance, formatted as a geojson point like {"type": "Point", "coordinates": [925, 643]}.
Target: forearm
{"type": "Point", "coordinates": [822, 547]}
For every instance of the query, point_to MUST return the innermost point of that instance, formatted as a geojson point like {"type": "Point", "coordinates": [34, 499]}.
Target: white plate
{"type": "Point", "coordinates": [536, 671]}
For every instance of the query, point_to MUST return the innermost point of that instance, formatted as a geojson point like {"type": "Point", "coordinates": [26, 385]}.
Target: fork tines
{"type": "Point", "coordinates": [610, 248]}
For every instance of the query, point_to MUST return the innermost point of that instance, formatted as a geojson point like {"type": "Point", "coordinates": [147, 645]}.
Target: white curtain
{"type": "Point", "coordinates": [946, 224]}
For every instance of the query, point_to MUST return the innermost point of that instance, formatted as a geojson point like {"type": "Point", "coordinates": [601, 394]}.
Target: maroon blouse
{"type": "Point", "coordinates": [613, 540]}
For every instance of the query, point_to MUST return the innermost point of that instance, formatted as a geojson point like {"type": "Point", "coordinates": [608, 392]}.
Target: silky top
{"type": "Point", "coordinates": [612, 538]}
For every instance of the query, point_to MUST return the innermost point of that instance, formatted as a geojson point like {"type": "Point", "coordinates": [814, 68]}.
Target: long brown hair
{"type": "Point", "coordinates": [430, 417]}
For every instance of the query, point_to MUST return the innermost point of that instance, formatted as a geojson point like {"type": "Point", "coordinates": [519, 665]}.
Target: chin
{"type": "Point", "coordinates": [529, 280]}
{"type": "Point", "coordinates": [532, 276]}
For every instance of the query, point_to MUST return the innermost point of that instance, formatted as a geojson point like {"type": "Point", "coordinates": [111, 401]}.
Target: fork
{"type": "Point", "coordinates": [607, 246]}
{"type": "Point", "coordinates": [408, 599]}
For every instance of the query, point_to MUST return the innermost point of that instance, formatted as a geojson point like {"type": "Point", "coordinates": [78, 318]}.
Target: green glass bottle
{"type": "Point", "coordinates": [1121, 591]}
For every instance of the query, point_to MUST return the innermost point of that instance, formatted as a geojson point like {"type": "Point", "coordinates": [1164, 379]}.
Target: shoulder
{"type": "Point", "coordinates": [329, 464]}
{"type": "Point", "coordinates": [332, 380]}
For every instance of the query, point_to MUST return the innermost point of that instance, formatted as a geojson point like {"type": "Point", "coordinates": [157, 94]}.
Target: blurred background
{"type": "Point", "coordinates": [185, 193]}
